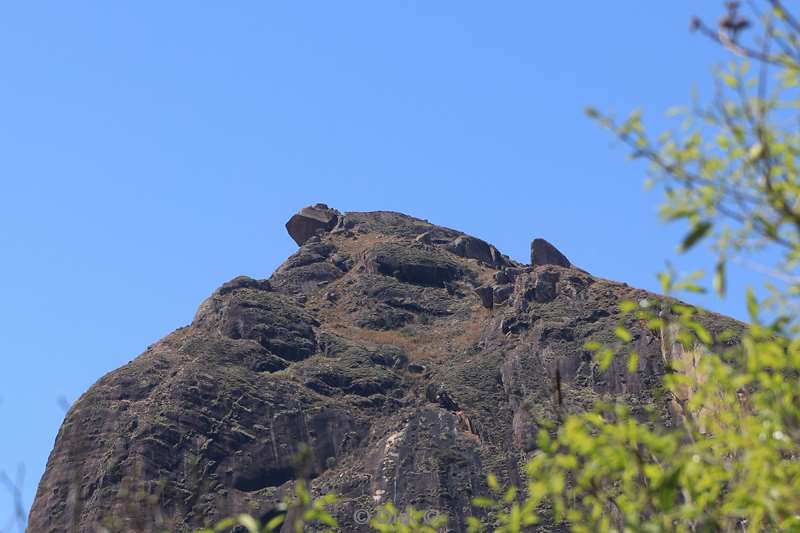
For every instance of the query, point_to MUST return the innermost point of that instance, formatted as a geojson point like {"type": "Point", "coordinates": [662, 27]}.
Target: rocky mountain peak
{"type": "Point", "coordinates": [318, 220]}
{"type": "Point", "coordinates": [411, 359]}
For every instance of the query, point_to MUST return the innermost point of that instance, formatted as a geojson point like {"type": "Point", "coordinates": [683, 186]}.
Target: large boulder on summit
{"type": "Point", "coordinates": [308, 221]}
{"type": "Point", "coordinates": [370, 350]}
{"type": "Point", "coordinates": [544, 253]}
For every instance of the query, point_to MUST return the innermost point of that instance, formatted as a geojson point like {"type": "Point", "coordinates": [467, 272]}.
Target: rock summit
{"type": "Point", "coordinates": [408, 359]}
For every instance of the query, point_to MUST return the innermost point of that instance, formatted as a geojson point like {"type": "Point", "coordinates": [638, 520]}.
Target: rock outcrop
{"type": "Point", "coordinates": [406, 359]}
{"type": "Point", "coordinates": [311, 220]}
{"type": "Point", "coordinates": [544, 253]}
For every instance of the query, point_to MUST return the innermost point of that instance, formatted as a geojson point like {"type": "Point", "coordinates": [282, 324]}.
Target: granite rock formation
{"type": "Point", "coordinates": [544, 253]}
{"type": "Point", "coordinates": [409, 358]}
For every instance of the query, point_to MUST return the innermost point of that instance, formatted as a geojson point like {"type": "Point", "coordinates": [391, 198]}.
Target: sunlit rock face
{"type": "Point", "coordinates": [406, 359]}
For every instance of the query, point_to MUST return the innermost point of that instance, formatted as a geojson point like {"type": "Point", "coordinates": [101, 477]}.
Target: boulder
{"type": "Point", "coordinates": [501, 277]}
{"type": "Point", "coordinates": [412, 264]}
{"type": "Point", "coordinates": [544, 253]}
{"type": "Point", "coordinates": [308, 221]}
{"type": "Point", "coordinates": [486, 294]}
{"type": "Point", "coordinates": [502, 293]}
{"type": "Point", "coordinates": [513, 272]}
{"type": "Point", "coordinates": [545, 286]}
{"type": "Point", "coordinates": [438, 394]}
{"type": "Point", "coordinates": [474, 248]}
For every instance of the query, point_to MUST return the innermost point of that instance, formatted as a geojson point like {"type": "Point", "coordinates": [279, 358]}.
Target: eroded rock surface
{"type": "Point", "coordinates": [409, 358]}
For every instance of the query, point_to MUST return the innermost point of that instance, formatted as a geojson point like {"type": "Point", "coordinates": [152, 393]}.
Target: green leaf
{"type": "Point", "coordinates": [225, 524]}
{"type": "Point", "coordinates": [699, 231]}
{"type": "Point", "coordinates": [755, 152]}
{"type": "Point", "coordinates": [702, 333]}
{"type": "Point", "coordinates": [483, 502]}
{"type": "Point", "coordinates": [250, 523]}
{"type": "Point", "coordinates": [666, 282]}
{"type": "Point", "coordinates": [655, 323]}
{"type": "Point", "coordinates": [720, 281]}
{"type": "Point", "coordinates": [633, 362]}
{"type": "Point", "coordinates": [326, 519]}
{"type": "Point", "coordinates": [510, 494]}
{"type": "Point", "coordinates": [752, 305]}
{"type": "Point", "coordinates": [273, 524]}
{"type": "Point", "coordinates": [473, 525]}
{"type": "Point", "coordinates": [623, 334]}
{"type": "Point", "coordinates": [605, 357]}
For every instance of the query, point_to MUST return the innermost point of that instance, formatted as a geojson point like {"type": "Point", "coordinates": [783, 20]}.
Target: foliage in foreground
{"type": "Point", "coordinates": [306, 511]}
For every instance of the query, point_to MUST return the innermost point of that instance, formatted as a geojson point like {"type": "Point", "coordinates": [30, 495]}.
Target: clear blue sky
{"type": "Point", "coordinates": [150, 151]}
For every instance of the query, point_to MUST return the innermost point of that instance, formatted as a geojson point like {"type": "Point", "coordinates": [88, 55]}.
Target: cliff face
{"type": "Point", "coordinates": [411, 359]}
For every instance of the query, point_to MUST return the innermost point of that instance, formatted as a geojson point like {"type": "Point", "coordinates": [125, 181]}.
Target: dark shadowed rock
{"type": "Point", "coordinates": [502, 293]}
{"type": "Point", "coordinates": [369, 349]}
{"type": "Point", "coordinates": [544, 253]}
{"type": "Point", "coordinates": [309, 220]}
{"type": "Point", "coordinates": [437, 394]}
{"type": "Point", "coordinates": [502, 277]}
{"type": "Point", "coordinates": [486, 294]}
{"type": "Point", "coordinates": [412, 264]}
